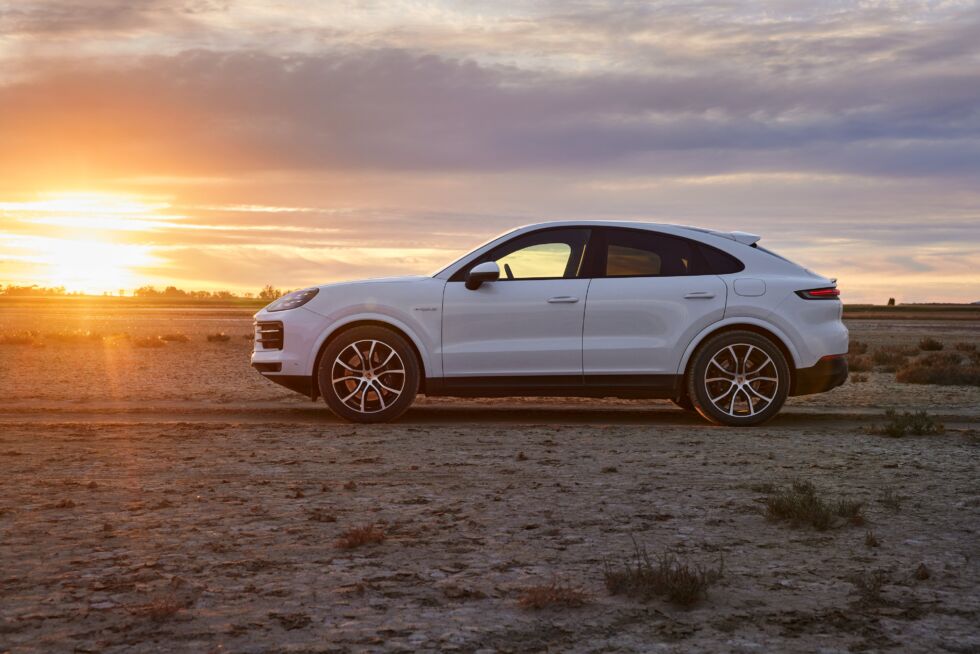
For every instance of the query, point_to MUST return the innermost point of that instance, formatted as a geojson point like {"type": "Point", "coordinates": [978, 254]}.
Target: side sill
{"type": "Point", "coordinates": [622, 386]}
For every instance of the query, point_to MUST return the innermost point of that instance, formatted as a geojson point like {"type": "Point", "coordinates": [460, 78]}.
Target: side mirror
{"type": "Point", "coordinates": [488, 271]}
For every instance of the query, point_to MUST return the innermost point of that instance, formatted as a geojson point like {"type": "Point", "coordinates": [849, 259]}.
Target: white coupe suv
{"type": "Point", "coordinates": [708, 319]}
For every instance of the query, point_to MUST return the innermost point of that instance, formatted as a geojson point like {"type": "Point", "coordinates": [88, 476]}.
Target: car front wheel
{"type": "Point", "coordinates": [738, 378]}
{"type": "Point", "coordinates": [368, 374]}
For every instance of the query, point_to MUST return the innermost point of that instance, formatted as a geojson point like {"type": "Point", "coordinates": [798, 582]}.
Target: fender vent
{"type": "Point", "coordinates": [269, 335]}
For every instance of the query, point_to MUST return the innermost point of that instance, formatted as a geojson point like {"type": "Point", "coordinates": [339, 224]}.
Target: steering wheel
{"type": "Point", "coordinates": [510, 275]}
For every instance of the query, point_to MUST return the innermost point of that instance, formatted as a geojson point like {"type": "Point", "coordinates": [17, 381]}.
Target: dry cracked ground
{"type": "Point", "coordinates": [145, 507]}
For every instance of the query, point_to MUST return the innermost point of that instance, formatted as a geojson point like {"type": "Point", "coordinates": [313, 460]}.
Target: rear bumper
{"type": "Point", "coordinates": [829, 372]}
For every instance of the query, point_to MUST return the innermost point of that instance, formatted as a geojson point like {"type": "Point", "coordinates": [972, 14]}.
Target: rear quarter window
{"type": "Point", "coordinates": [718, 262]}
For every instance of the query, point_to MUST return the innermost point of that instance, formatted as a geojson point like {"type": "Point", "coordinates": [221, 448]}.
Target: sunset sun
{"type": "Point", "coordinates": [81, 240]}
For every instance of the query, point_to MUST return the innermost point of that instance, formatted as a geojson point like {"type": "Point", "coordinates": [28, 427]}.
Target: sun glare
{"type": "Point", "coordinates": [82, 248]}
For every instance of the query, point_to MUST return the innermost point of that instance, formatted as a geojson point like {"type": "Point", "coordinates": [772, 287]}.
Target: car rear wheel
{"type": "Point", "coordinates": [368, 374]}
{"type": "Point", "coordinates": [738, 378]}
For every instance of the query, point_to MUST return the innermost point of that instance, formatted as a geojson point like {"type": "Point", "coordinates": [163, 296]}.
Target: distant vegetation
{"type": "Point", "coordinates": [267, 293]}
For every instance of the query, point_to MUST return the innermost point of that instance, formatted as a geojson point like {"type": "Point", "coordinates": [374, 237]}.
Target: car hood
{"type": "Point", "coordinates": [382, 280]}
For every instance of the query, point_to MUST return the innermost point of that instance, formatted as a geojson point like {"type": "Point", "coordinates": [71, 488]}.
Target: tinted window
{"type": "Point", "coordinates": [718, 262]}
{"type": "Point", "coordinates": [636, 253]}
{"type": "Point", "coordinates": [547, 254]}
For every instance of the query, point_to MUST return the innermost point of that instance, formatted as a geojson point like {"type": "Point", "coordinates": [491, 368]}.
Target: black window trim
{"type": "Point", "coordinates": [589, 231]}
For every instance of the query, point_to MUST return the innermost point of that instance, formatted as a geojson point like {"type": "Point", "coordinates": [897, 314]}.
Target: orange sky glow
{"type": "Point", "coordinates": [225, 146]}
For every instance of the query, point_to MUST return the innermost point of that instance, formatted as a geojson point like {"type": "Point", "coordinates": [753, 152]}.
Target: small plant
{"type": "Point", "coordinates": [890, 500]}
{"type": "Point", "coordinates": [919, 423]}
{"type": "Point", "coordinates": [665, 576]}
{"type": "Point", "coordinates": [944, 368]}
{"type": "Point", "coordinates": [858, 378]}
{"type": "Point", "coordinates": [219, 338]}
{"type": "Point", "coordinates": [160, 609]}
{"type": "Point", "coordinates": [801, 505]}
{"type": "Point", "coordinates": [965, 347]}
{"type": "Point", "coordinates": [869, 586]}
{"type": "Point", "coordinates": [358, 536]}
{"type": "Point", "coordinates": [929, 344]}
{"type": "Point", "coordinates": [859, 362]}
{"type": "Point", "coordinates": [857, 347]}
{"type": "Point", "coordinates": [175, 338]}
{"type": "Point", "coordinates": [922, 572]}
{"type": "Point", "coordinates": [870, 540]}
{"type": "Point", "coordinates": [553, 595]}
{"type": "Point", "coordinates": [891, 357]}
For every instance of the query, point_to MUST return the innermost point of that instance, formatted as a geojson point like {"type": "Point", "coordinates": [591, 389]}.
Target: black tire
{"type": "Point", "coordinates": [750, 361]}
{"type": "Point", "coordinates": [365, 393]}
{"type": "Point", "coordinates": [684, 402]}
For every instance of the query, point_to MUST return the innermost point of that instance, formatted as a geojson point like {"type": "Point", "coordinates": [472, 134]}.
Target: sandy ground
{"type": "Point", "coordinates": [171, 500]}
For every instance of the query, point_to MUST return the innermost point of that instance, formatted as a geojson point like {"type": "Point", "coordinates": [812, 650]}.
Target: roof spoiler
{"type": "Point", "coordinates": [739, 237]}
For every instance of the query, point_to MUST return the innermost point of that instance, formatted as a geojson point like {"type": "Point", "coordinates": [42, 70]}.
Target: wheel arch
{"type": "Point", "coordinates": [338, 329]}
{"type": "Point", "coordinates": [767, 330]}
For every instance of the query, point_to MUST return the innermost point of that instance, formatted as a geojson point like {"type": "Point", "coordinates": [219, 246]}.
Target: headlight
{"type": "Point", "coordinates": [293, 300]}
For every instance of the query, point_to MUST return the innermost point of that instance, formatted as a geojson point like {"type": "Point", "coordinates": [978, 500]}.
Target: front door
{"type": "Point", "coordinates": [529, 322]}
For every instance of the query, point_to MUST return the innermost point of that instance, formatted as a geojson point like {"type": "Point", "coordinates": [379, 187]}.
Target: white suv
{"type": "Point", "coordinates": [598, 309]}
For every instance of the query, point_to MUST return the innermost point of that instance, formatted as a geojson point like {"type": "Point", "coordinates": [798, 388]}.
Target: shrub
{"type": "Point", "coordinates": [20, 338]}
{"type": "Point", "coordinates": [357, 536]}
{"type": "Point", "coordinates": [149, 341]}
{"type": "Point", "coordinates": [801, 505]}
{"type": "Point", "coordinates": [666, 576]}
{"type": "Point", "coordinates": [858, 378]}
{"type": "Point", "coordinates": [929, 344]}
{"type": "Point", "coordinates": [552, 595]}
{"type": "Point", "coordinates": [870, 540]}
{"type": "Point", "coordinates": [891, 357]}
{"type": "Point", "coordinates": [919, 423]}
{"type": "Point", "coordinates": [965, 347]}
{"type": "Point", "coordinates": [175, 338]}
{"type": "Point", "coordinates": [859, 362]}
{"type": "Point", "coordinates": [945, 369]}
{"type": "Point", "coordinates": [857, 347]}
{"type": "Point", "coordinates": [218, 338]}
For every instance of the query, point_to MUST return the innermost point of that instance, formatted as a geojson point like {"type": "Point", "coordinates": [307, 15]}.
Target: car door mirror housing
{"type": "Point", "coordinates": [488, 271]}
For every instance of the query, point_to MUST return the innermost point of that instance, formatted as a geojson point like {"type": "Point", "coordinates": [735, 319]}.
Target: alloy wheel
{"type": "Point", "coordinates": [368, 376]}
{"type": "Point", "coordinates": [741, 380]}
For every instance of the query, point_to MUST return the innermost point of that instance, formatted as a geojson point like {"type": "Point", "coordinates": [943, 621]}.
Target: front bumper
{"type": "Point", "coordinates": [829, 372]}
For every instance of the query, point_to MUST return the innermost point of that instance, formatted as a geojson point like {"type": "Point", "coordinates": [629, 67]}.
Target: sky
{"type": "Point", "coordinates": [215, 144]}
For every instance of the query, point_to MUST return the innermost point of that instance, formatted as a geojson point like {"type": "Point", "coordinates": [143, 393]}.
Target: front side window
{"type": "Point", "coordinates": [548, 254]}
{"type": "Point", "coordinates": [635, 253]}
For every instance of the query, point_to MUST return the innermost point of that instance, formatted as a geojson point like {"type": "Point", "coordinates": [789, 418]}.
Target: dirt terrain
{"type": "Point", "coordinates": [169, 499]}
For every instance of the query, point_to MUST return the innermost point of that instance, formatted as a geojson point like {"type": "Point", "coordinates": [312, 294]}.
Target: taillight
{"type": "Point", "coordinates": [829, 293]}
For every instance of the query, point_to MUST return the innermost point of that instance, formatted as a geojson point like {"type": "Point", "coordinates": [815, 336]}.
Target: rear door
{"type": "Point", "coordinates": [529, 322]}
{"type": "Point", "coordinates": [647, 301]}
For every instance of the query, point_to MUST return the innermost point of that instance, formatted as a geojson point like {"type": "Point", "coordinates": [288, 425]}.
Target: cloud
{"type": "Point", "coordinates": [389, 109]}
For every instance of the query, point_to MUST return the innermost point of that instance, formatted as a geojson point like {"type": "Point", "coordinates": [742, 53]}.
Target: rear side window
{"type": "Point", "coordinates": [718, 262]}
{"type": "Point", "coordinates": [639, 253]}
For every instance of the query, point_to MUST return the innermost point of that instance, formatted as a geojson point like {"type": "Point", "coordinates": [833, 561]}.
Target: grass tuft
{"type": "Point", "coordinates": [929, 344]}
{"type": "Point", "coordinates": [857, 347]}
{"type": "Point", "coordinates": [358, 536]}
{"type": "Point", "coordinates": [219, 338]}
{"type": "Point", "coordinates": [553, 595]}
{"type": "Point", "coordinates": [897, 425]}
{"type": "Point", "coordinates": [857, 378]}
{"type": "Point", "coordinates": [664, 576]}
{"type": "Point", "coordinates": [801, 505]}
{"type": "Point", "coordinates": [870, 540]}
{"type": "Point", "coordinates": [859, 362]}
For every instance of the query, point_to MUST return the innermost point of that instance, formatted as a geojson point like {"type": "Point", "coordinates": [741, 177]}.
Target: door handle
{"type": "Point", "coordinates": [562, 299]}
{"type": "Point", "coordinates": [699, 295]}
